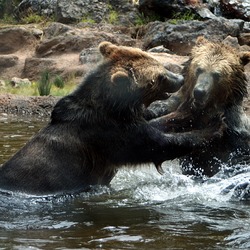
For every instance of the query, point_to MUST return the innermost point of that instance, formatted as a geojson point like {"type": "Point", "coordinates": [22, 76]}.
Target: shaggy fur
{"type": "Point", "coordinates": [215, 83]}
{"type": "Point", "coordinates": [100, 127]}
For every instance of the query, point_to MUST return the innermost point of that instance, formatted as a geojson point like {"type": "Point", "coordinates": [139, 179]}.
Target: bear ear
{"type": "Point", "coordinates": [106, 48]}
{"type": "Point", "coordinates": [201, 40]}
{"type": "Point", "coordinates": [120, 77]}
{"type": "Point", "coordinates": [245, 57]}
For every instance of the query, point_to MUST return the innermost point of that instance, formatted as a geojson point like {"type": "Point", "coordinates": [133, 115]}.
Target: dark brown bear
{"type": "Point", "coordinates": [215, 83]}
{"type": "Point", "coordinates": [100, 127]}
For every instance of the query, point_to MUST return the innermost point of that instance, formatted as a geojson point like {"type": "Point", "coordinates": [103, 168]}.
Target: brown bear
{"type": "Point", "coordinates": [100, 127]}
{"type": "Point", "coordinates": [215, 83]}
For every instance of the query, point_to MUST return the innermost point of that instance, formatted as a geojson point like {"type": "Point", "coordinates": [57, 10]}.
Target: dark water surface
{"type": "Point", "coordinates": [141, 210]}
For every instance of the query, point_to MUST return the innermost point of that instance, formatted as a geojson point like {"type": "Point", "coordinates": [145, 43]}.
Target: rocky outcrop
{"type": "Point", "coordinates": [236, 9]}
{"type": "Point", "coordinates": [203, 9]}
{"type": "Point", "coordinates": [71, 50]}
{"type": "Point", "coordinates": [180, 38]}
{"type": "Point", "coordinates": [116, 11]}
{"type": "Point", "coordinates": [14, 39]}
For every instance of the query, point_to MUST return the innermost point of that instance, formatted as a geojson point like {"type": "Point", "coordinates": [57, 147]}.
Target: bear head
{"type": "Point", "coordinates": [214, 75]}
{"type": "Point", "coordinates": [132, 70]}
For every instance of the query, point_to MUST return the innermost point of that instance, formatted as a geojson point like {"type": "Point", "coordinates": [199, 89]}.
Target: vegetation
{"type": "Point", "coordinates": [7, 6]}
{"type": "Point", "coordinates": [179, 16]}
{"type": "Point", "coordinates": [142, 19]}
{"type": "Point", "coordinates": [59, 82]}
{"type": "Point", "coordinates": [33, 89]}
{"type": "Point", "coordinates": [113, 15]}
{"type": "Point", "coordinates": [47, 84]}
{"type": "Point", "coordinates": [88, 19]}
{"type": "Point", "coordinates": [33, 18]}
{"type": "Point", "coordinates": [44, 84]}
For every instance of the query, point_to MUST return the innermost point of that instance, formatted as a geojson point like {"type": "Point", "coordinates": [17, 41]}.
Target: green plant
{"type": "Point", "coordinates": [8, 19]}
{"type": "Point", "coordinates": [44, 84]}
{"type": "Point", "coordinates": [186, 16]}
{"type": "Point", "coordinates": [59, 82]}
{"type": "Point", "coordinates": [113, 15]}
{"type": "Point", "coordinates": [33, 18]}
{"type": "Point", "coordinates": [142, 19]}
{"type": "Point", "coordinates": [88, 19]}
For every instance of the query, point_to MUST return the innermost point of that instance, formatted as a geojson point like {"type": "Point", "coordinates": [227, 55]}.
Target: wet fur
{"type": "Point", "coordinates": [100, 127]}
{"type": "Point", "coordinates": [226, 68]}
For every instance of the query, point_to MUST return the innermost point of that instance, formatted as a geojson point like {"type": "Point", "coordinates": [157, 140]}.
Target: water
{"type": "Point", "coordinates": [140, 210]}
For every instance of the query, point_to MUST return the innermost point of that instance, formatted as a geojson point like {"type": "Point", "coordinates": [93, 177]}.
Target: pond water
{"type": "Point", "coordinates": [140, 210]}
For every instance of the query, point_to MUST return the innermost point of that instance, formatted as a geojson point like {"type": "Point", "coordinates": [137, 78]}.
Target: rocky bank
{"type": "Point", "coordinates": [69, 47]}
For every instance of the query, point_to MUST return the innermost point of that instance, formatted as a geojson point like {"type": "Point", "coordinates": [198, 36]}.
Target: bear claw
{"type": "Point", "coordinates": [159, 169]}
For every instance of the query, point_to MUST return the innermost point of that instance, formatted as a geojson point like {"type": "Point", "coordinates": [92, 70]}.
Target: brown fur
{"type": "Point", "coordinates": [215, 84]}
{"type": "Point", "coordinates": [100, 127]}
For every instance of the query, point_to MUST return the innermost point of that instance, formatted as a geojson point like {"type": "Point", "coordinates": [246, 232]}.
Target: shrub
{"type": "Point", "coordinates": [44, 85]}
{"type": "Point", "coordinates": [59, 82]}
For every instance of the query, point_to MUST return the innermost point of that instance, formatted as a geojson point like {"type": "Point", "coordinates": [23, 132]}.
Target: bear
{"type": "Point", "coordinates": [215, 83]}
{"type": "Point", "coordinates": [100, 127]}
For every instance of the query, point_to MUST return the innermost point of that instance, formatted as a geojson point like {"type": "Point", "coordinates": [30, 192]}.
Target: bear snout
{"type": "Point", "coordinates": [202, 89]}
{"type": "Point", "coordinates": [199, 94]}
{"type": "Point", "coordinates": [173, 82]}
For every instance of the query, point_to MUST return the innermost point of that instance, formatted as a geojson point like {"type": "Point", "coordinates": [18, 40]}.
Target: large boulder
{"type": "Point", "coordinates": [236, 9]}
{"type": "Point", "coordinates": [13, 39]}
{"type": "Point", "coordinates": [41, 7]}
{"type": "Point", "coordinates": [116, 11]}
{"type": "Point", "coordinates": [60, 38]}
{"type": "Point", "coordinates": [164, 8]}
{"type": "Point", "coordinates": [180, 38]}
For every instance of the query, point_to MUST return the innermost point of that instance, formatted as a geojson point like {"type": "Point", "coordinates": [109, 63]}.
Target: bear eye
{"type": "Point", "coordinates": [216, 76]}
{"type": "Point", "coordinates": [199, 71]}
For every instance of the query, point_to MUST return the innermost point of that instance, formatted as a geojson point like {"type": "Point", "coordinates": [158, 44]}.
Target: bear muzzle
{"type": "Point", "coordinates": [202, 90]}
{"type": "Point", "coordinates": [173, 82]}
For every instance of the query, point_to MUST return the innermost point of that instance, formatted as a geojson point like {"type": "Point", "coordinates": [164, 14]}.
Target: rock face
{"type": "Point", "coordinates": [168, 8]}
{"type": "Point", "coordinates": [236, 9]}
{"type": "Point", "coordinates": [163, 8]}
{"type": "Point", "coordinates": [14, 39]}
{"type": "Point", "coordinates": [71, 50]}
{"type": "Point", "coordinates": [180, 38]}
{"type": "Point", "coordinates": [76, 10]}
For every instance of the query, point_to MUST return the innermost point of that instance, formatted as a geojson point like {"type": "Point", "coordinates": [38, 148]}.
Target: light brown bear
{"type": "Point", "coordinates": [215, 83]}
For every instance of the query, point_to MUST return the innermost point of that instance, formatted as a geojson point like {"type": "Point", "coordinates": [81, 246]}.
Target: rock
{"type": "Point", "coordinates": [41, 7]}
{"type": "Point", "coordinates": [60, 38]}
{"type": "Point", "coordinates": [163, 8]}
{"type": "Point", "coordinates": [35, 66]}
{"type": "Point", "coordinates": [236, 9]}
{"type": "Point", "coordinates": [17, 82]}
{"type": "Point", "coordinates": [113, 12]}
{"type": "Point", "coordinates": [14, 39]}
{"type": "Point", "coordinates": [97, 11]}
{"type": "Point", "coordinates": [159, 49]}
{"type": "Point", "coordinates": [171, 62]}
{"type": "Point", "coordinates": [7, 61]}
{"type": "Point", "coordinates": [232, 41]}
{"type": "Point", "coordinates": [180, 38]}
{"type": "Point", "coordinates": [27, 105]}
{"type": "Point", "coordinates": [205, 13]}
{"type": "Point", "coordinates": [37, 33]}
{"type": "Point", "coordinates": [244, 39]}
{"type": "Point", "coordinates": [90, 56]}
{"type": "Point", "coordinates": [76, 10]}
{"type": "Point", "coordinates": [2, 84]}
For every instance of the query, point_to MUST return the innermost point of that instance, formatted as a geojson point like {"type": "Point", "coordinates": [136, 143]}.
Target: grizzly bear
{"type": "Point", "coordinates": [215, 83]}
{"type": "Point", "coordinates": [100, 127]}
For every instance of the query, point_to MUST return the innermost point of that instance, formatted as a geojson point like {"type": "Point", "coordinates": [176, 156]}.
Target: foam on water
{"type": "Point", "coordinates": [147, 184]}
